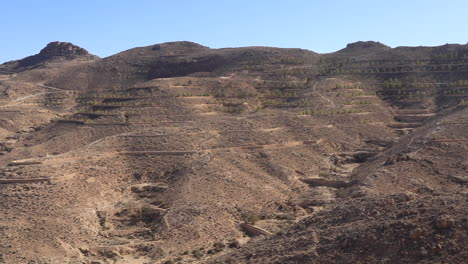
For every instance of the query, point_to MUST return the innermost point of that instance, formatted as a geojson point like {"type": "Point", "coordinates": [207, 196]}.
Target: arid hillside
{"type": "Point", "coordinates": [178, 153]}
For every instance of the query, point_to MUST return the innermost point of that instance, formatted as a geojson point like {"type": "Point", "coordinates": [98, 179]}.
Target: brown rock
{"type": "Point", "coordinates": [423, 251]}
{"type": "Point", "coordinates": [254, 230]}
{"type": "Point", "coordinates": [444, 222]}
{"type": "Point", "coordinates": [58, 48]}
{"type": "Point", "coordinates": [416, 234]}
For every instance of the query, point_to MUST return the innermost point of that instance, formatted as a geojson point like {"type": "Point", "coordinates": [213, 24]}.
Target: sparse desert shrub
{"type": "Point", "coordinates": [307, 112]}
{"type": "Point", "coordinates": [323, 174]}
{"type": "Point", "coordinates": [220, 94]}
{"type": "Point", "coordinates": [234, 243]}
{"type": "Point", "coordinates": [233, 110]}
{"type": "Point", "coordinates": [272, 102]}
{"type": "Point", "coordinates": [250, 217]}
{"type": "Point", "coordinates": [198, 253]}
{"type": "Point", "coordinates": [219, 246]}
{"type": "Point", "coordinates": [214, 251]}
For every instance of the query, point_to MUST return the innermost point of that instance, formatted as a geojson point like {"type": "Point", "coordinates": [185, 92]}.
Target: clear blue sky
{"type": "Point", "coordinates": [107, 27]}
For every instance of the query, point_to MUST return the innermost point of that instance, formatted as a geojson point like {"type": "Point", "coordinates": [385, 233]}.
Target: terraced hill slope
{"type": "Point", "coordinates": [181, 153]}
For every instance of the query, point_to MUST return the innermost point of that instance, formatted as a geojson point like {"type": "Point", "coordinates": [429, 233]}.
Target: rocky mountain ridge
{"type": "Point", "coordinates": [178, 153]}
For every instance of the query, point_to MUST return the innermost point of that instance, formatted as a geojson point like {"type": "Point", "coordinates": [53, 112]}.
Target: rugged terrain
{"type": "Point", "coordinates": [178, 153]}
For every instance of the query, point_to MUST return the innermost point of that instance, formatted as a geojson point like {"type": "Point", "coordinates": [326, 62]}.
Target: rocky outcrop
{"type": "Point", "coordinates": [254, 230]}
{"type": "Point", "coordinates": [56, 50]}
{"type": "Point", "coordinates": [59, 48]}
{"type": "Point", "coordinates": [365, 45]}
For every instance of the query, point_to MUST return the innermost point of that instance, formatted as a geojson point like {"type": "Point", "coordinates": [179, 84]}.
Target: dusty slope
{"type": "Point", "coordinates": [153, 153]}
{"type": "Point", "coordinates": [409, 206]}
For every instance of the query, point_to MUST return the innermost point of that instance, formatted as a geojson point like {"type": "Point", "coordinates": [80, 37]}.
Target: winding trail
{"type": "Point", "coordinates": [21, 99]}
{"type": "Point", "coordinates": [37, 84]}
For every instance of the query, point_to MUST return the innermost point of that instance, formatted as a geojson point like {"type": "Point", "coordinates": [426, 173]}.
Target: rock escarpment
{"type": "Point", "coordinates": [54, 51]}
